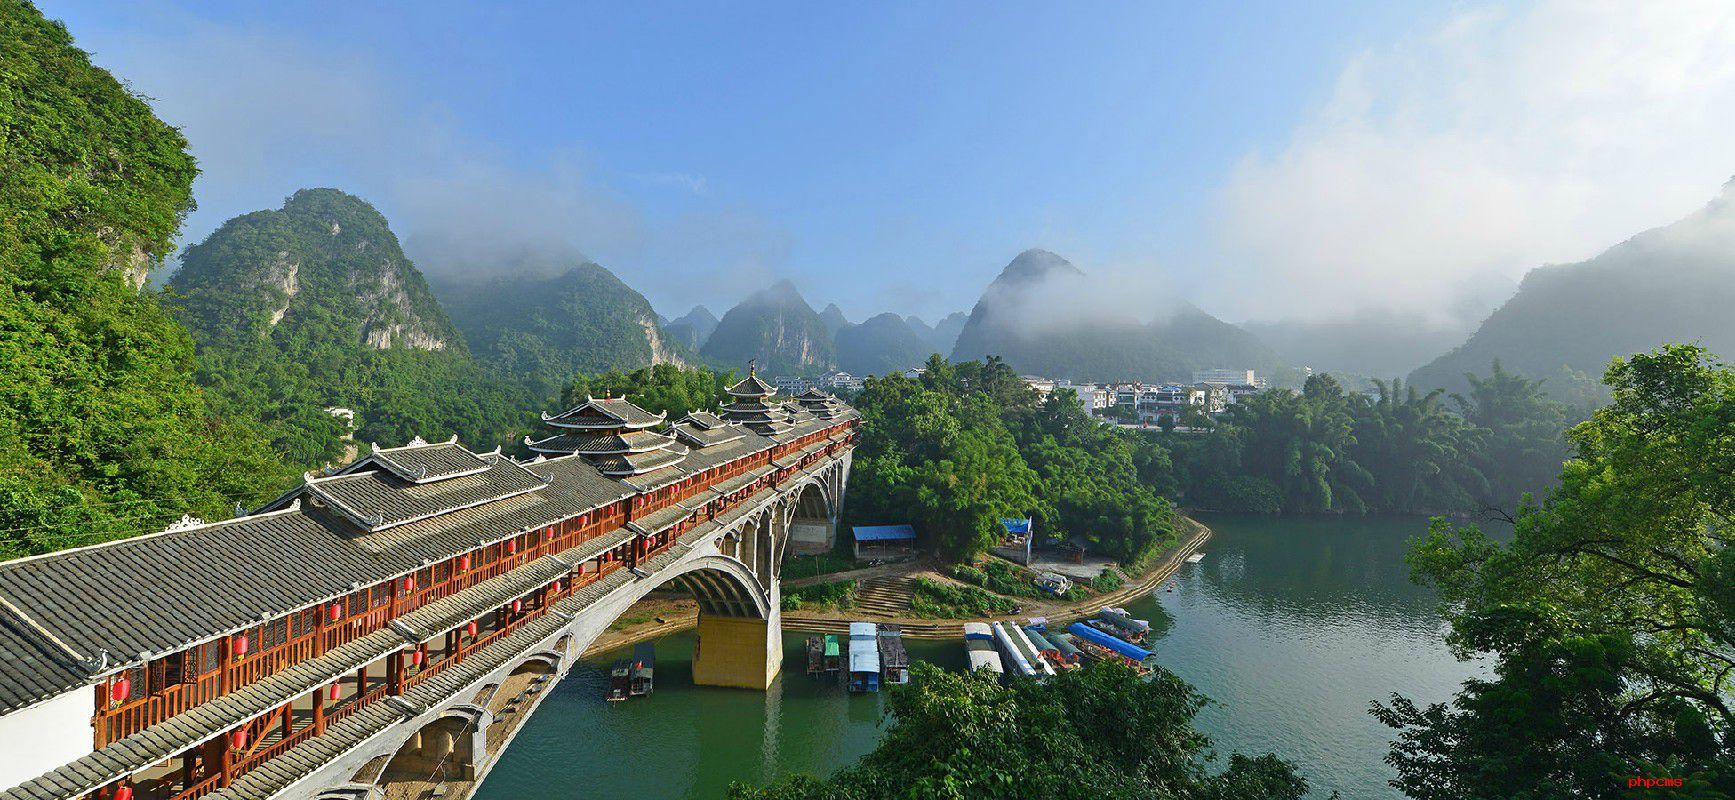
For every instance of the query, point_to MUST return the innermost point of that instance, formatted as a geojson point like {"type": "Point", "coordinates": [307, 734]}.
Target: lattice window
{"type": "Point", "coordinates": [381, 595]}
{"type": "Point", "coordinates": [424, 578]}
{"type": "Point", "coordinates": [442, 571]}
{"type": "Point", "coordinates": [274, 634]}
{"type": "Point", "coordinates": [308, 622]}
{"type": "Point", "coordinates": [358, 603]}
{"type": "Point", "coordinates": [210, 657]}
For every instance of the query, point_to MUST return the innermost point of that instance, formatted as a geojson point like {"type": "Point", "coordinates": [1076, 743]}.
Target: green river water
{"type": "Point", "coordinates": [1292, 626]}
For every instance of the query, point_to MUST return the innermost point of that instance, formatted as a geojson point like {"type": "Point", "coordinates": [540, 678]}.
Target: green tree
{"type": "Point", "coordinates": [662, 388]}
{"type": "Point", "coordinates": [966, 736]}
{"type": "Point", "coordinates": [1526, 433]}
{"type": "Point", "coordinates": [103, 433]}
{"type": "Point", "coordinates": [1607, 617]}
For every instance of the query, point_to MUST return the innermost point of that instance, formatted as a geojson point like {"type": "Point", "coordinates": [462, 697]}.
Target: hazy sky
{"type": "Point", "coordinates": [1264, 160]}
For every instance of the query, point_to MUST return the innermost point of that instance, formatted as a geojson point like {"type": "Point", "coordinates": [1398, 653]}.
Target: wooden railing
{"type": "Point", "coordinates": [199, 789]}
{"type": "Point", "coordinates": [113, 724]}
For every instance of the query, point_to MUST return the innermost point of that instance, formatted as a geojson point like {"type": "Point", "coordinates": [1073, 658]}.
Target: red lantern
{"type": "Point", "coordinates": [336, 612]}
{"type": "Point", "coordinates": [333, 691]}
{"type": "Point", "coordinates": [557, 587]}
{"type": "Point", "coordinates": [511, 545]}
{"type": "Point", "coordinates": [416, 658]}
{"type": "Point", "coordinates": [409, 584]}
{"type": "Point", "coordinates": [464, 563]}
{"type": "Point", "coordinates": [470, 629]}
{"type": "Point", "coordinates": [123, 793]}
{"type": "Point", "coordinates": [121, 690]}
{"type": "Point", "coordinates": [517, 606]}
{"type": "Point", "coordinates": [238, 644]}
{"type": "Point", "coordinates": [238, 739]}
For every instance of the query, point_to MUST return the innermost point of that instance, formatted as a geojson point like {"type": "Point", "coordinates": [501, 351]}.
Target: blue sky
{"type": "Point", "coordinates": [896, 156]}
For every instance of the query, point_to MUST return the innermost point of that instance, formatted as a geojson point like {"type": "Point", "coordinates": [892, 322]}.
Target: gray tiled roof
{"type": "Point", "coordinates": [277, 774]}
{"type": "Point", "coordinates": [704, 419]}
{"type": "Point", "coordinates": [707, 437]}
{"type": "Point", "coordinates": [605, 413]}
{"type": "Point", "coordinates": [380, 500]}
{"type": "Point", "coordinates": [752, 386]}
{"type": "Point", "coordinates": [602, 442]}
{"type": "Point", "coordinates": [425, 462]}
{"type": "Point", "coordinates": [637, 463]}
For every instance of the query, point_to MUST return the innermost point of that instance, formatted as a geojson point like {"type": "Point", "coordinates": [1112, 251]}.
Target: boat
{"type": "Point", "coordinates": [979, 648]}
{"type": "Point", "coordinates": [815, 655]}
{"type": "Point", "coordinates": [1195, 558]}
{"type": "Point", "coordinates": [894, 659]}
{"type": "Point", "coordinates": [1101, 645]}
{"type": "Point", "coordinates": [864, 657]}
{"type": "Point", "coordinates": [644, 667]}
{"type": "Point", "coordinates": [620, 680]}
{"type": "Point", "coordinates": [833, 656]}
{"type": "Point", "coordinates": [1063, 643]}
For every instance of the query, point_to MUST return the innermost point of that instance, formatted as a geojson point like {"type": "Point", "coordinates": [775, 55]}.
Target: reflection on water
{"type": "Point", "coordinates": [1290, 626]}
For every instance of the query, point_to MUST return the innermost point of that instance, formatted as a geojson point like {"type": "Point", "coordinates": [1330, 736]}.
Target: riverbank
{"type": "Point", "coordinates": [673, 618]}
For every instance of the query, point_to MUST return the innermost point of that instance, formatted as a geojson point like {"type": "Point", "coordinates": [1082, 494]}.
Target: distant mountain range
{"type": "Point", "coordinates": [882, 345]}
{"type": "Point", "coordinates": [1670, 284]}
{"type": "Point", "coordinates": [692, 328]}
{"type": "Point", "coordinates": [1021, 319]}
{"type": "Point", "coordinates": [777, 328]}
{"type": "Point", "coordinates": [546, 329]}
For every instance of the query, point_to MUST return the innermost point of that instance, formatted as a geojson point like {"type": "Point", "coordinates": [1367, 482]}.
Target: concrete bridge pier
{"type": "Point", "coordinates": [740, 652]}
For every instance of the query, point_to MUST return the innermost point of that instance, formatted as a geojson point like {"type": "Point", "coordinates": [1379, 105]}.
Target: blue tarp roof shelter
{"type": "Point", "coordinates": [1016, 525]}
{"type": "Point", "coordinates": [884, 533]}
{"type": "Point", "coordinates": [1095, 636]}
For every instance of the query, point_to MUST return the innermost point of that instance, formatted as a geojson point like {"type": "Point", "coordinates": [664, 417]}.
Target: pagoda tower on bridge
{"type": "Point", "coordinates": [751, 409]}
{"type": "Point", "coordinates": [613, 434]}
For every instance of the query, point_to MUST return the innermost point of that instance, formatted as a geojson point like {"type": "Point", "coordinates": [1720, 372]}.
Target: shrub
{"type": "Point", "coordinates": [819, 596]}
{"type": "Point", "coordinates": [936, 600]}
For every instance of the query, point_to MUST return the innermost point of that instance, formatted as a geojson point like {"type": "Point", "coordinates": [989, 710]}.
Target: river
{"type": "Point", "coordinates": [1290, 625]}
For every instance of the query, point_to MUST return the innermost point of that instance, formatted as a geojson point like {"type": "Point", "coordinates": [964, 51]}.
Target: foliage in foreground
{"type": "Point", "coordinates": [1098, 733]}
{"type": "Point", "coordinates": [102, 431]}
{"type": "Point", "coordinates": [1609, 619]}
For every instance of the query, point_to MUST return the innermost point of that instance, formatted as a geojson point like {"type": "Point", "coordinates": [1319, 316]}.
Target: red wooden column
{"type": "Point", "coordinates": [319, 711]}
{"type": "Point", "coordinates": [395, 672]}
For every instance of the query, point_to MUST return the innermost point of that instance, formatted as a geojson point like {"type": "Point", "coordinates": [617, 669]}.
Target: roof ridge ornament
{"type": "Point", "coordinates": [185, 523]}
{"type": "Point", "coordinates": [417, 441]}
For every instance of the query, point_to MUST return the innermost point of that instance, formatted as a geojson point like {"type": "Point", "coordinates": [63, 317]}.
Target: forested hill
{"type": "Point", "coordinates": [881, 345]}
{"type": "Point", "coordinates": [778, 328]}
{"type": "Point", "coordinates": [103, 432]}
{"type": "Point", "coordinates": [1020, 320]}
{"type": "Point", "coordinates": [325, 258]}
{"type": "Point", "coordinates": [313, 307]}
{"type": "Point", "coordinates": [1670, 284]}
{"type": "Point", "coordinates": [544, 329]}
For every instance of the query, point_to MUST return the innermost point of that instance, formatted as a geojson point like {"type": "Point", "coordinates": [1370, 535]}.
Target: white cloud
{"type": "Point", "coordinates": [267, 114]}
{"type": "Point", "coordinates": [1495, 143]}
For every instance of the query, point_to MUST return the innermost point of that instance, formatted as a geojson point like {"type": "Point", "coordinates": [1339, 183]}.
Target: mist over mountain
{"type": "Point", "coordinates": [834, 319]}
{"type": "Point", "coordinates": [692, 328]}
{"type": "Point", "coordinates": [776, 327]}
{"type": "Point", "coordinates": [1675, 283]}
{"type": "Point", "coordinates": [1374, 344]}
{"type": "Point", "coordinates": [1044, 316]}
{"type": "Point", "coordinates": [544, 329]}
{"type": "Point", "coordinates": [880, 345]}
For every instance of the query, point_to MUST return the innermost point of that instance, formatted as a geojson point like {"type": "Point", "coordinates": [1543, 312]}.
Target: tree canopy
{"type": "Point", "coordinates": [968, 444]}
{"type": "Point", "coordinates": [1097, 733]}
{"type": "Point", "coordinates": [1609, 618]}
{"type": "Point", "coordinates": [103, 432]}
